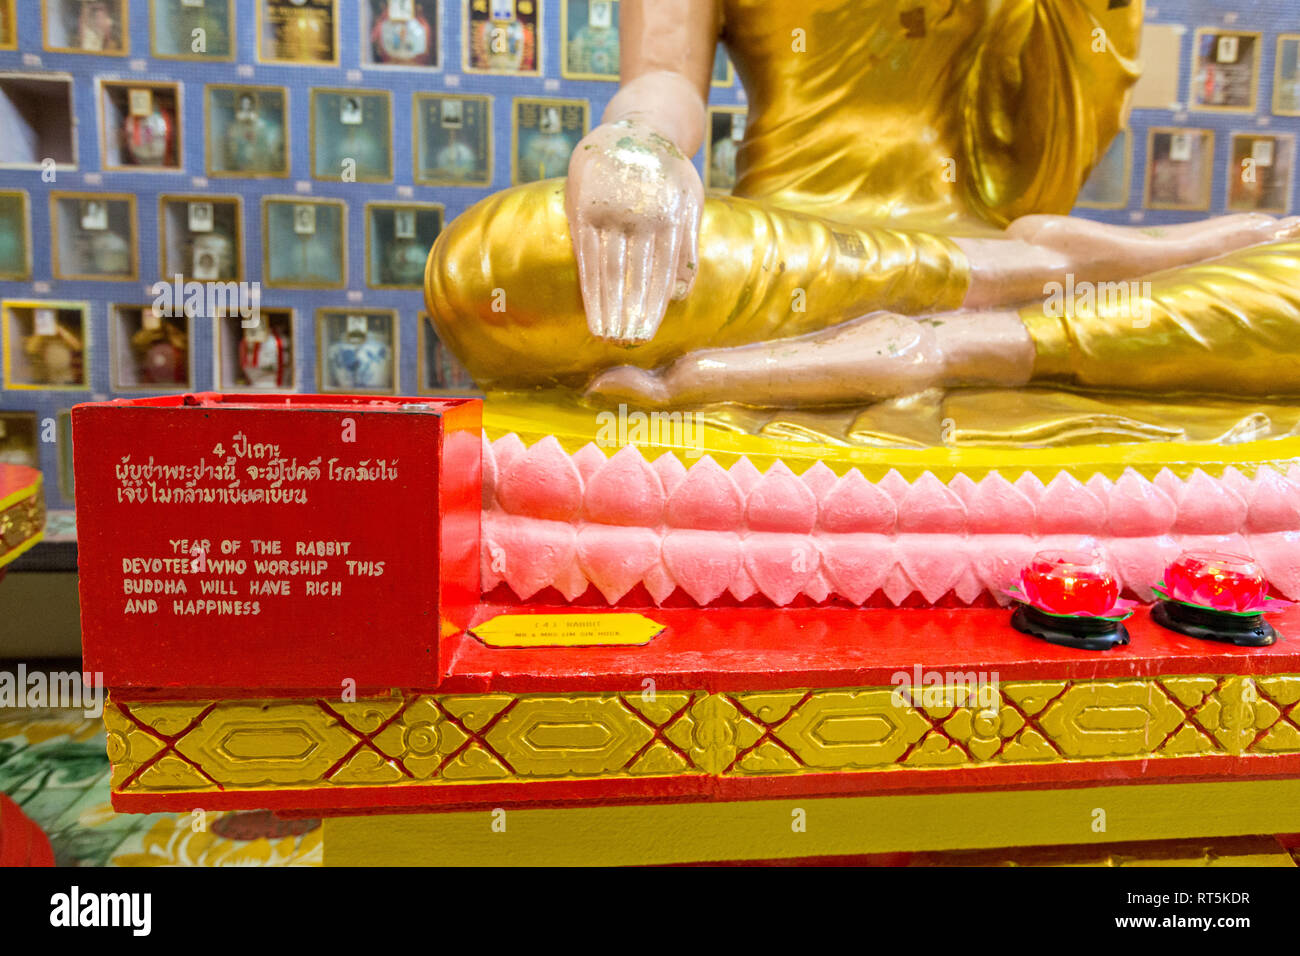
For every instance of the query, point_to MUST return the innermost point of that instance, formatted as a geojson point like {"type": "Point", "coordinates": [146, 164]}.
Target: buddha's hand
{"type": "Point", "coordinates": [633, 201]}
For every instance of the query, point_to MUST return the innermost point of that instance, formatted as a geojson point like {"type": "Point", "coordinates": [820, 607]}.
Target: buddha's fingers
{"type": "Point", "coordinates": [687, 244]}
{"type": "Point", "coordinates": [613, 281]}
{"type": "Point", "coordinates": [644, 261]}
{"type": "Point", "coordinates": [651, 273]}
{"type": "Point", "coordinates": [590, 277]}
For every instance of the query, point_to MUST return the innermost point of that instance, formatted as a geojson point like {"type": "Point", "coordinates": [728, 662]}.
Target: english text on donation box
{"type": "Point", "coordinates": [278, 543]}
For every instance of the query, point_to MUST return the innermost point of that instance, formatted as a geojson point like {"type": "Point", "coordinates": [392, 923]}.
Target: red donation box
{"type": "Point", "coordinates": [275, 543]}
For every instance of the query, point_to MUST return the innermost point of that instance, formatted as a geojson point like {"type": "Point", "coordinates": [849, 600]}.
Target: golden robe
{"type": "Point", "coordinates": [877, 130]}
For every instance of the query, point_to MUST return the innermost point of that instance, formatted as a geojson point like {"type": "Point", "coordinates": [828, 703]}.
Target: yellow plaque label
{"type": "Point", "coordinates": [567, 630]}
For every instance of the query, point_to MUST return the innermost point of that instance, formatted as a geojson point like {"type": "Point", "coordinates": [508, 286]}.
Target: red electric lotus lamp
{"type": "Point", "coordinates": [1217, 596]}
{"type": "Point", "coordinates": [1071, 598]}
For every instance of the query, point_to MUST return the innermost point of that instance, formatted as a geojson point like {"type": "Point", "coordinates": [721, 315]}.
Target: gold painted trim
{"type": "Point", "coordinates": [1207, 136]}
{"type": "Point", "coordinates": [22, 521]}
{"type": "Point", "coordinates": [833, 826]}
{"type": "Point", "coordinates": [86, 340]}
{"type": "Point", "coordinates": [533, 419]}
{"type": "Point", "coordinates": [267, 202]}
{"type": "Point", "coordinates": [1192, 104]}
{"type": "Point", "coordinates": [236, 201]}
{"type": "Point", "coordinates": [396, 327]}
{"type": "Point", "coordinates": [311, 130]}
{"type": "Point", "coordinates": [387, 204]}
{"type": "Point", "coordinates": [26, 204]}
{"type": "Point", "coordinates": [518, 101]}
{"type": "Point", "coordinates": [232, 29]}
{"type": "Point", "coordinates": [285, 131]}
{"type": "Point", "coordinates": [449, 740]}
{"type": "Point", "coordinates": [417, 141]}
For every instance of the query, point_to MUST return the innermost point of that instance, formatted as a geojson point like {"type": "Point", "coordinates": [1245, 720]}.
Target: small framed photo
{"type": "Point", "coordinates": [18, 439]}
{"type": "Point", "coordinates": [1286, 76]}
{"type": "Point", "coordinates": [1108, 185]}
{"type": "Point", "coordinates": [1180, 164]}
{"type": "Point", "coordinates": [93, 236]}
{"type": "Point", "coordinates": [192, 29]}
{"type": "Point", "coordinates": [38, 122]}
{"type": "Point", "coordinates": [255, 355]}
{"type": "Point", "coordinates": [15, 237]}
{"type": "Point", "coordinates": [199, 238]}
{"type": "Point", "coordinates": [589, 29]}
{"type": "Point", "coordinates": [398, 239]}
{"type": "Point", "coordinates": [440, 372]}
{"type": "Point", "coordinates": [8, 25]}
{"type": "Point", "coordinates": [545, 133]}
{"type": "Point", "coordinates": [351, 135]}
{"type": "Point", "coordinates": [45, 344]}
{"type": "Point", "coordinates": [400, 33]}
{"type": "Point", "coordinates": [453, 139]}
{"type": "Point", "coordinates": [502, 36]}
{"type": "Point", "coordinates": [726, 130]}
{"type": "Point", "coordinates": [140, 126]}
{"type": "Point", "coordinates": [86, 26]}
{"type": "Point", "coordinates": [302, 32]}
{"type": "Point", "coordinates": [723, 72]}
{"type": "Point", "coordinates": [247, 135]}
{"type": "Point", "coordinates": [148, 348]}
{"type": "Point", "coordinates": [303, 243]}
{"type": "Point", "coordinates": [1260, 172]}
{"type": "Point", "coordinates": [357, 350]}
{"type": "Point", "coordinates": [1226, 74]}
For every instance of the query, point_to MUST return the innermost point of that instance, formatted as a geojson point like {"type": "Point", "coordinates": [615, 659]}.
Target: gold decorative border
{"type": "Point", "coordinates": [490, 738]}
{"type": "Point", "coordinates": [22, 521]}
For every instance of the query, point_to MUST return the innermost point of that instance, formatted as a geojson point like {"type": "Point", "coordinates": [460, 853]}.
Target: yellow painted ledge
{"type": "Point", "coordinates": [534, 417]}
{"type": "Point", "coordinates": [765, 829]}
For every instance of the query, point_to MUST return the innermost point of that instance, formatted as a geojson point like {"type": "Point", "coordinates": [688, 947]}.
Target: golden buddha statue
{"type": "Point", "coordinates": [896, 242]}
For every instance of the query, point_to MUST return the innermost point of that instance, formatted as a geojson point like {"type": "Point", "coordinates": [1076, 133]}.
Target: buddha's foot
{"type": "Point", "coordinates": [874, 357]}
{"type": "Point", "coordinates": [1040, 249]}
